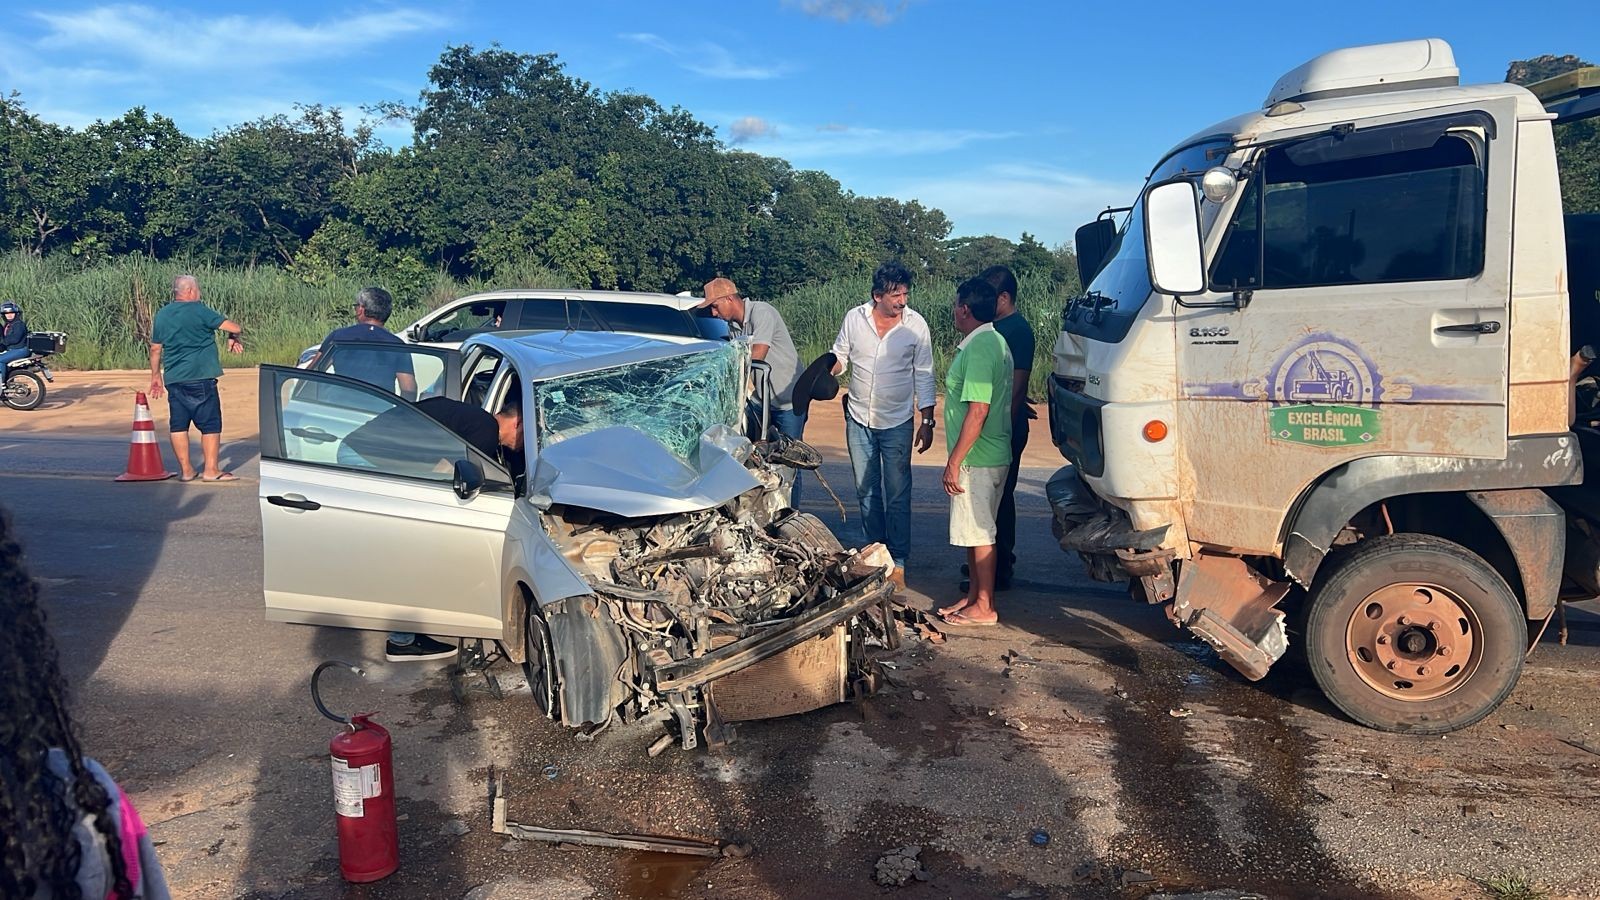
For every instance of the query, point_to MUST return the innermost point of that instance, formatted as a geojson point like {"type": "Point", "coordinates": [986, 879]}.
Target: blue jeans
{"type": "Point", "coordinates": [881, 458]}
{"type": "Point", "coordinates": [9, 355]}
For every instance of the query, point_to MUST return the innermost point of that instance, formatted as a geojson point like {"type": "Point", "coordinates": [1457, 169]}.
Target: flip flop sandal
{"type": "Point", "coordinates": [960, 621]}
{"type": "Point", "coordinates": [224, 477]}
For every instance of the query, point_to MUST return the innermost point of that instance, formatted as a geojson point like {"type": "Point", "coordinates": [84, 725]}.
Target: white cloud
{"type": "Point", "coordinates": [178, 40]}
{"type": "Point", "coordinates": [1010, 199]}
{"type": "Point", "coordinates": [875, 11]}
{"type": "Point", "coordinates": [751, 128]}
{"type": "Point", "coordinates": [833, 140]}
{"type": "Point", "coordinates": [708, 59]}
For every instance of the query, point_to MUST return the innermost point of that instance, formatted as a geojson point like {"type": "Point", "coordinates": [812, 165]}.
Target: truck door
{"type": "Point", "coordinates": [1373, 259]}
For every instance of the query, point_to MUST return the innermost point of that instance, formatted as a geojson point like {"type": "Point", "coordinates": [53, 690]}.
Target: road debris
{"type": "Point", "coordinates": [1180, 712]}
{"type": "Point", "coordinates": [1016, 723]}
{"type": "Point", "coordinates": [455, 828]}
{"type": "Point", "coordinates": [660, 745]}
{"type": "Point", "coordinates": [575, 836]}
{"type": "Point", "coordinates": [1039, 837]}
{"type": "Point", "coordinates": [918, 695]}
{"type": "Point", "coordinates": [551, 773]}
{"type": "Point", "coordinates": [897, 867]}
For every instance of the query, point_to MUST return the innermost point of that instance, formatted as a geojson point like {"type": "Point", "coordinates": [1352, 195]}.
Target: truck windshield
{"type": "Point", "coordinates": [1122, 286]}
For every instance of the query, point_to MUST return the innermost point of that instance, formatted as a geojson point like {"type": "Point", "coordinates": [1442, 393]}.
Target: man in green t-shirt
{"type": "Point", "coordinates": [183, 346]}
{"type": "Point", "coordinates": [977, 427]}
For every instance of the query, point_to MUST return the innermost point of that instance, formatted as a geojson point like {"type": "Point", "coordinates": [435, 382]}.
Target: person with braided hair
{"type": "Point", "coordinates": [67, 832]}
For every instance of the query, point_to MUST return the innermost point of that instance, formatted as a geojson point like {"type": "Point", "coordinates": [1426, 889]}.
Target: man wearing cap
{"type": "Point", "coordinates": [886, 346]}
{"type": "Point", "coordinates": [769, 340]}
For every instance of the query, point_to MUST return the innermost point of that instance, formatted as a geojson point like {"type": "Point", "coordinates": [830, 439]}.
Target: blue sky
{"type": "Point", "coordinates": [1009, 116]}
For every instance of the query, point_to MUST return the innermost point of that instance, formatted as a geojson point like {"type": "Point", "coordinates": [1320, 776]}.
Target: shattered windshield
{"type": "Point", "coordinates": [673, 400]}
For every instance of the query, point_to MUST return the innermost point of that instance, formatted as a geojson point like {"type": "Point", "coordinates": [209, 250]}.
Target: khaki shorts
{"type": "Point", "coordinates": [972, 513]}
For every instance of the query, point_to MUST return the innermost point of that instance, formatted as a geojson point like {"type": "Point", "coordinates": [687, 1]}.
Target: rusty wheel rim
{"type": "Point", "coordinates": [1414, 641]}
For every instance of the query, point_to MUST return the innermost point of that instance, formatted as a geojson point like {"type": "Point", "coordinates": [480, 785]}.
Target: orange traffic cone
{"type": "Point", "coordinates": [144, 454]}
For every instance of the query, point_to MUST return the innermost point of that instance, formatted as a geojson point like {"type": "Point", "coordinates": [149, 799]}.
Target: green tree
{"type": "Point", "coordinates": [1577, 143]}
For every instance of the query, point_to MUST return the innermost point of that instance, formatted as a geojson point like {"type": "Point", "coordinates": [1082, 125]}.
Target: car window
{"type": "Point", "coordinates": [1313, 215]}
{"type": "Point", "coordinates": [465, 321]}
{"type": "Point", "coordinates": [479, 375]}
{"type": "Point", "coordinates": [412, 373]}
{"type": "Point", "coordinates": [358, 427]}
{"type": "Point", "coordinates": [555, 314]}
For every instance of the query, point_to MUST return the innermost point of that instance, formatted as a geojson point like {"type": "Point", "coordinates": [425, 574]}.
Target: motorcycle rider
{"type": "Point", "coordinates": [14, 334]}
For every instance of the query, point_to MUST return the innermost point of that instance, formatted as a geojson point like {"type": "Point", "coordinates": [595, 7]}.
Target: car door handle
{"type": "Point", "coordinates": [293, 503]}
{"type": "Point", "coordinates": [1469, 328]}
{"type": "Point", "coordinates": [314, 435]}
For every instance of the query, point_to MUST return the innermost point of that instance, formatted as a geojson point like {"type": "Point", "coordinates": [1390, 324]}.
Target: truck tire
{"type": "Point", "coordinates": [1414, 633]}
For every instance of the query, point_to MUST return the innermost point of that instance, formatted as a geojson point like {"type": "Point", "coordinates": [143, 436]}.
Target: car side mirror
{"type": "Point", "coordinates": [415, 333]}
{"type": "Point", "coordinates": [1172, 238]}
{"type": "Point", "coordinates": [467, 480]}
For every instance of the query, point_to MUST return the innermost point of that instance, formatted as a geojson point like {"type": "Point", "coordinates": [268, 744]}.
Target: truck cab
{"type": "Point", "coordinates": [1323, 366]}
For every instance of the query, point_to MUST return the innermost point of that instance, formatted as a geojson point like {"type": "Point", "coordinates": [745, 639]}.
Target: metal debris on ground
{"type": "Point", "coordinates": [575, 836]}
{"type": "Point", "coordinates": [551, 772]}
{"type": "Point", "coordinates": [1039, 837]}
{"type": "Point", "coordinates": [897, 867]}
{"type": "Point", "coordinates": [1180, 713]}
{"type": "Point", "coordinates": [1018, 724]}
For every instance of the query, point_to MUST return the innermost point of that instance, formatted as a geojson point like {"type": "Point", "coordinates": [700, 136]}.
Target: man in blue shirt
{"type": "Point", "coordinates": [388, 370]}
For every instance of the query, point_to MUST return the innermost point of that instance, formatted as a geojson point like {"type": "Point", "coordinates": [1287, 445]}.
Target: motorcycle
{"type": "Point", "coordinates": [25, 378]}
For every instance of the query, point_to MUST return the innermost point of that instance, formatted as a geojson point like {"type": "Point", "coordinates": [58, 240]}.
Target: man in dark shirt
{"type": "Point", "coordinates": [1014, 327]}
{"type": "Point", "coordinates": [392, 442]}
{"type": "Point", "coordinates": [386, 369]}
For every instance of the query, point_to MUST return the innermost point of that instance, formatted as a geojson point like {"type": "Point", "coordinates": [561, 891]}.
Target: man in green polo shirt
{"type": "Point", "coordinates": [977, 427]}
{"type": "Point", "coordinates": [184, 363]}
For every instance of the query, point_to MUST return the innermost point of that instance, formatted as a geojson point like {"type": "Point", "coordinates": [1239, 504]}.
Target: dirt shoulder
{"type": "Point", "coordinates": [100, 404]}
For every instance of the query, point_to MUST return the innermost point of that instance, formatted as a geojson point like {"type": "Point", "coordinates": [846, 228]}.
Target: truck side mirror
{"type": "Point", "coordinates": [1172, 238]}
{"type": "Point", "coordinates": [1093, 243]}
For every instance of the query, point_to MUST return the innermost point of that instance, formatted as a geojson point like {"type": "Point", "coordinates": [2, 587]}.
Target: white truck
{"type": "Point", "coordinates": [1324, 367]}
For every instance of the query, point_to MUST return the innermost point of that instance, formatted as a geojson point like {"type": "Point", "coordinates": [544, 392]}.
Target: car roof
{"type": "Point", "coordinates": [541, 355]}
{"type": "Point", "coordinates": [651, 299]}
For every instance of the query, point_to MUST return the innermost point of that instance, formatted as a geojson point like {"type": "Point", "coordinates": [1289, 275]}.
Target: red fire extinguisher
{"type": "Point", "coordinates": [363, 791]}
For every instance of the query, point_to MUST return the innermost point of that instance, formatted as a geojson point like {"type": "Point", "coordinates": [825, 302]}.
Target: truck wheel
{"type": "Point", "coordinates": [1414, 633]}
{"type": "Point", "coordinates": [540, 665]}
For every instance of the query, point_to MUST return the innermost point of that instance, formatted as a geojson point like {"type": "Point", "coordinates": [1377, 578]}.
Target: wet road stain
{"type": "Point", "coordinates": [649, 876]}
{"type": "Point", "coordinates": [1210, 805]}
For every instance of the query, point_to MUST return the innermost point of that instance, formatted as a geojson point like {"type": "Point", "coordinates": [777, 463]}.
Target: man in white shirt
{"type": "Point", "coordinates": [885, 346]}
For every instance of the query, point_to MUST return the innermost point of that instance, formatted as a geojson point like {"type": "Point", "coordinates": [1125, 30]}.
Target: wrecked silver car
{"type": "Point", "coordinates": [641, 558]}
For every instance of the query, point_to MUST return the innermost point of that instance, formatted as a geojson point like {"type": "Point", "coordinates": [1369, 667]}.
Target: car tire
{"type": "Point", "coordinates": [1414, 633]}
{"type": "Point", "coordinates": [540, 664]}
{"type": "Point", "coordinates": [807, 529]}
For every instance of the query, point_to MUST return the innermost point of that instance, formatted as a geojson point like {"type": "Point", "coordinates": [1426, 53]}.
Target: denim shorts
{"type": "Point", "coordinates": [195, 402]}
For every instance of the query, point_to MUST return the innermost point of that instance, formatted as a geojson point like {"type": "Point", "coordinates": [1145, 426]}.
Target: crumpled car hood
{"type": "Point", "coordinates": [623, 471]}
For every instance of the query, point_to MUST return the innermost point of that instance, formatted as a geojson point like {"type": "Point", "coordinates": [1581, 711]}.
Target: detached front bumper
{"type": "Point", "coordinates": [692, 674]}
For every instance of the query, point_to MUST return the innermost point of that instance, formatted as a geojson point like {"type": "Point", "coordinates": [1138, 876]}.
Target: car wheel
{"type": "Point", "coordinates": [804, 528]}
{"type": "Point", "coordinates": [540, 665]}
{"type": "Point", "coordinates": [1414, 633]}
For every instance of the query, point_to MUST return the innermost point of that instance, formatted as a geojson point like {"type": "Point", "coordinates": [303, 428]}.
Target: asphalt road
{"type": "Point", "coordinates": [200, 707]}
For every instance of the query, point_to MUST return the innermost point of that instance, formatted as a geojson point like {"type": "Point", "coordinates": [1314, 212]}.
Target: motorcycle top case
{"type": "Point", "coordinates": [46, 342]}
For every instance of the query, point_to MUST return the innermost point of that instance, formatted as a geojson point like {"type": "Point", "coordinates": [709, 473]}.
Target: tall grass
{"type": "Point", "coordinates": [106, 307]}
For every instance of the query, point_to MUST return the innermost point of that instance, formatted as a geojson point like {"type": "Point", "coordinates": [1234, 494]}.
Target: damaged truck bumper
{"type": "Point", "coordinates": [1219, 599]}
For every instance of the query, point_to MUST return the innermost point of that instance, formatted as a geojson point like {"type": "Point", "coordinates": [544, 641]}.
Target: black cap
{"type": "Point", "coordinates": [815, 383]}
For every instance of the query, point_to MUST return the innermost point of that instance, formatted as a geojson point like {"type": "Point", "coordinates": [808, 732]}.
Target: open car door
{"type": "Point", "coordinates": [401, 527]}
